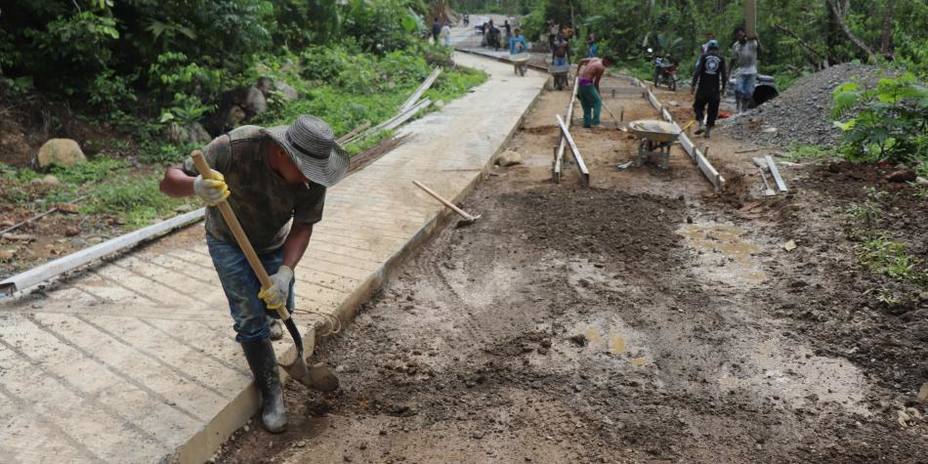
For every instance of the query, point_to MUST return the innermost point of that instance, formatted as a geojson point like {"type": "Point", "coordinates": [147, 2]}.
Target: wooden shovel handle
{"type": "Point", "coordinates": [200, 162]}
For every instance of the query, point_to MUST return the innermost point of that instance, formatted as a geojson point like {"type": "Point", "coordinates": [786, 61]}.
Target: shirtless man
{"type": "Point", "coordinates": [590, 71]}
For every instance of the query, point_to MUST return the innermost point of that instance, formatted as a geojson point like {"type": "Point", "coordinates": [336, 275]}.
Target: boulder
{"type": "Point", "coordinates": [265, 85]}
{"type": "Point", "coordinates": [509, 158]}
{"type": "Point", "coordinates": [269, 87]}
{"type": "Point", "coordinates": [193, 133]}
{"type": "Point", "coordinates": [60, 152]}
{"type": "Point", "coordinates": [254, 103]}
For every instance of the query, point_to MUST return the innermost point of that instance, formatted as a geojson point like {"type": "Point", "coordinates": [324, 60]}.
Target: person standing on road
{"type": "Point", "coordinates": [436, 30]}
{"type": "Point", "coordinates": [592, 48]}
{"type": "Point", "coordinates": [560, 52]}
{"type": "Point", "coordinates": [508, 28]}
{"type": "Point", "coordinates": [517, 43]}
{"type": "Point", "coordinates": [708, 84]}
{"type": "Point", "coordinates": [446, 34]}
{"type": "Point", "coordinates": [744, 62]}
{"type": "Point", "coordinates": [275, 180]}
{"type": "Point", "coordinates": [590, 72]}
{"type": "Point", "coordinates": [553, 30]}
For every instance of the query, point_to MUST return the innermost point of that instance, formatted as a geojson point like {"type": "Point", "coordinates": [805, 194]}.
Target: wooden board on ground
{"type": "Point", "coordinates": [584, 172]}
{"type": "Point", "coordinates": [562, 145]}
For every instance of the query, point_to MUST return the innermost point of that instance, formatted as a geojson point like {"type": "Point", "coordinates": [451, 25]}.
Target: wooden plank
{"type": "Point", "coordinates": [350, 136]}
{"type": "Point", "coordinates": [686, 143]}
{"type": "Point", "coordinates": [424, 87]}
{"type": "Point", "coordinates": [708, 170]}
{"type": "Point", "coordinates": [408, 114]}
{"type": "Point", "coordinates": [781, 186]}
{"type": "Point", "coordinates": [562, 145]}
{"type": "Point", "coordinates": [52, 269]}
{"type": "Point", "coordinates": [584, 172]}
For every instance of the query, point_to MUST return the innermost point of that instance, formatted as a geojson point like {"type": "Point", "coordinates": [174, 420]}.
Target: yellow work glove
{"type": "Point", "coordinates": [213, 190]}
{"type": "Point", "coordinates": [276, 296]}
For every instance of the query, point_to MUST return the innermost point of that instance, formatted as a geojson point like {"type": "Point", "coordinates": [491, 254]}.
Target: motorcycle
{"type": "Point", "coordinates": [665, 73]}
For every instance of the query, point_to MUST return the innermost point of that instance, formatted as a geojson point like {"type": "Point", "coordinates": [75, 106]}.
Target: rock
{"type": "Point", "coordinates": [265, 85]}
{"type": "Point", "coordinates": [7, 254]}
{"type": "Point", "coordinates": [923, 393]}
{"type": "Point", "coordinates": [269, 87]}
{"type": "Point", "coordinates": [921, 181]}
{"type": "Point", "coordinates": [287, 92]}
{"type": "Point", "coordinates": [47, 180]}
{"type": "Point", "coordinates": [509, 158]}
{"type": "Point", "coordinates": [193, 133]}
{"type": "Point", "coordinates": [71, 231]}
{"type": "Point", "coordinates": [18, 237]}
{"type": "Point", "coordinates": [234, 117]}
{"type": "Point", "coordinates": [790, 245]}
{"type": "Point", "coordinates": [254, 103]}
{"type": "Point", "coordinates": [902, 175]}
{"type": "Point", "coordinates": [60, 152]}
{"type": "Point", "coordinates": [579, 339]}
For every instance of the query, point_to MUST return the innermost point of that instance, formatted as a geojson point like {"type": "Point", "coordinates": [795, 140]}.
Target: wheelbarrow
{"type": "Point", "coordinates": [519, 63]}
{"type": "Point", "coordinates": [655, 139]}
{"type": "Point", "coordinates": [560, 72]}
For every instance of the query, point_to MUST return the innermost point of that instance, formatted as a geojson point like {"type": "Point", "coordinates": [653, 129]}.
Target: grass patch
{"type": "Point", "coordinates": [888, 257]}
{"type": "Point", "coordinates": [800, 153]}
{"type": "Point", "coordinates": [879, 253]}
{"type": "Point", "coordinates": [135, 200]}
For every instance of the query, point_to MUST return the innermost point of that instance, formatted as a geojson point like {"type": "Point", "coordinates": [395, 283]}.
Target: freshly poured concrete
{"type": "Point", "coordinates": [134, 361]}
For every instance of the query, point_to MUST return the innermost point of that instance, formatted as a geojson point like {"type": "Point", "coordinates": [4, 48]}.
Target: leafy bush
{"type": "Point", "coordinates": [891, 122]}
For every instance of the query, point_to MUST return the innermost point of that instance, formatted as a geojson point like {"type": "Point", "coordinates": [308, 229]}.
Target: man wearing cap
{"type": "Point", "coordinates": [708, 84]}
{"type": "Point", "coordinates": [275, 180]}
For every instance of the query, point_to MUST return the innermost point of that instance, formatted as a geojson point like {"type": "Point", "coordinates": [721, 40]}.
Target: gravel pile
{"type": "Point", "coordinates": [801, 114]}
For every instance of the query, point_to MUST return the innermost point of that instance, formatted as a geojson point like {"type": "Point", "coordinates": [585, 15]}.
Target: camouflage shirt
{"type": "Point", "coordinates": [263, 202]}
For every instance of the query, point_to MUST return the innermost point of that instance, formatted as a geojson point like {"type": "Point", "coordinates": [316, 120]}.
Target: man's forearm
{"type": "Point", "coordinates": [296, 244]}
{"type": "Point", "coordinates": [176, 183]}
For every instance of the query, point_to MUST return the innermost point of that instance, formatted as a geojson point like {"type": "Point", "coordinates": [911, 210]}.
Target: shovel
{"type": "Point", "coordinates": [319, 376]}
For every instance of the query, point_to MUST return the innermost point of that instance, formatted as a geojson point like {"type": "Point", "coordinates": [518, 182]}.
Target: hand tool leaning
{"type": "Point", "coordinates": [319, 376]}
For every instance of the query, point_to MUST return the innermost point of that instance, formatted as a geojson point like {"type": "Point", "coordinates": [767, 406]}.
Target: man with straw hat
{"type": "Point", "coordinates": [275, 180]}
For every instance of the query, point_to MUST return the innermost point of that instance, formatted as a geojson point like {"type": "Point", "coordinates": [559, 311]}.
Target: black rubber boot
{"type": "Point", "coordinates": [263, 364]}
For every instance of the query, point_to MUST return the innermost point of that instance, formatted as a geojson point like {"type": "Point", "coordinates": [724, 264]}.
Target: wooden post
{"type": "Point", "coordinates": [750, 17]}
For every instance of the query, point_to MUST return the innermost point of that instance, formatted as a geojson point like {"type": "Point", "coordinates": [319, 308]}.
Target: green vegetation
{"type": "Point", "coordinates": [141, 66]}
{"type": "Point", "coordinates": [104, 185]}
{"type": "Point", "coordinates": [879, 253]}
{"type": "Point", "coordinates": [799, 153]}
{"type": "Point", "coordinates": [890, 121]}
{"type": "Point", "coordinates": [887, 257]}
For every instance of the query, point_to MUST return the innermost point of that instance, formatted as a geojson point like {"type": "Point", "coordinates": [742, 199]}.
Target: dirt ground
{"type": "Point", "coordinates": [645, 319]}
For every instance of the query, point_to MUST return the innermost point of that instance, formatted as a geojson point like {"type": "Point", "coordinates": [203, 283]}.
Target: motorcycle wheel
{"type": "Point", "coordinates": [673, 85]}
{"type": "Point", "coordinates": [657, 79]}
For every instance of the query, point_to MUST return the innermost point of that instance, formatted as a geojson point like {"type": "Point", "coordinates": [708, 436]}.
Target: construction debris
{"type": "Point", "coordinates": [411, 101]}
{"type": "Point", "coordinates": [509, 158]}
{"type": "Point", "coordinates": [776, 174]}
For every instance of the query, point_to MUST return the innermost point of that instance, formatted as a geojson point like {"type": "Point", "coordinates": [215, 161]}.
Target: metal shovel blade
{"type": "Point", "coordinates": [318, 376]}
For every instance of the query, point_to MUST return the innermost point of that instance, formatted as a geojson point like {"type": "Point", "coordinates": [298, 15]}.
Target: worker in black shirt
{"type": "Point", "coordinates": [709, 84]}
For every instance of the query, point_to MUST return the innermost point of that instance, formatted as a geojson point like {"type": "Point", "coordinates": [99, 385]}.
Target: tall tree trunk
{"type": "Point", "coordinates": [840, 13]}
{"type": "Point", "coordinates": [886, 37]}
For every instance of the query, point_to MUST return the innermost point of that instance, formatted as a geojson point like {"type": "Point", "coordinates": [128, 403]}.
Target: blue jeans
{"type": "Point", "coordinates": [744, 85]}
{"type": "Point", "coordinates": [241, 287]}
